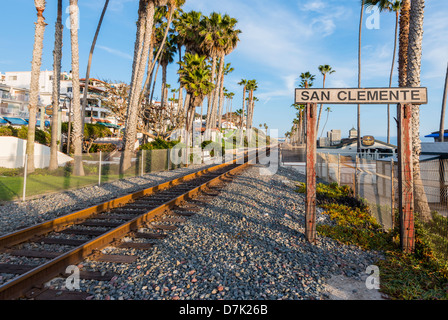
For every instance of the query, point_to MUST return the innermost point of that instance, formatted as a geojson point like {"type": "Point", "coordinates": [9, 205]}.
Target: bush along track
{"type": "Point", "coordinates": [418, 276]}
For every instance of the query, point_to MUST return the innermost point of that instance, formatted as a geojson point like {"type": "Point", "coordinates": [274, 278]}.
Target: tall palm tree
{"type": "Point", "coordinates": [143, 40]}
{"type": "Point", "coordinates": [231, 38]}
{"type": "Point", "coordinates": [243, 83]}
{"type": "Point", "coordinates": [251, 87]}
{"type": "Point", "coordinates": [361, 17]}
{"type": "Point", "coordinates": [413, 80]}
{"type": "Point", "coordinates": [390, 6]}
{"type": "Point", "coordinates": [227, 69]}
{"type": "Point", "coordinates": [306, 82]}
{"type": "Point", "coordinates": [195, 76]}
{"type": "Point", "coordinates": [34, 84]}
{"type": "Point", "coordinates": [57, 57]}
{"type": "Point", "coordinates": [166, 58]}
{"type": "Point", "coordinates": [89, 63]}
{"type": "Point", "coordinates": [77, 131]}
{"type": "Point", "coordinates": [403, 42]}
{"type": "Point", "coordinates": [324, 70]}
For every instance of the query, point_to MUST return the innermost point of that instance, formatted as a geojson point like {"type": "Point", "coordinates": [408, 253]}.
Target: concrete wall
{"type": "Point", "coordinates": [12, 154]}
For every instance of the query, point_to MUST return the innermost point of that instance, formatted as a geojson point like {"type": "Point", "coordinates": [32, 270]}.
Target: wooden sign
{"type": "Point", "coordinates": [415, 96]}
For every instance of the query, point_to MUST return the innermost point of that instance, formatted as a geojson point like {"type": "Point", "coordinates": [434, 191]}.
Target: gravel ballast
{"type": "Point", "coordinates": [246, 244]}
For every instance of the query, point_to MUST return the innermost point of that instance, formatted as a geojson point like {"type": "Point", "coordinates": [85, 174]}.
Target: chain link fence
{"type": "Point", "coordinates": [101, 167]}
{"type": "Point", "coordinates": [374, 178]}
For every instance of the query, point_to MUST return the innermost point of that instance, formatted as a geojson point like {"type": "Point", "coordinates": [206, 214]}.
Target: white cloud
{"type": "Point", "coordinates": [313, 5]}
{"type": "Point", "coordinates": [116, 52]}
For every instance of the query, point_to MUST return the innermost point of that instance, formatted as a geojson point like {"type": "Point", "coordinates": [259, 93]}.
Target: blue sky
{"type": "Point", "coordinates": [279, 41]}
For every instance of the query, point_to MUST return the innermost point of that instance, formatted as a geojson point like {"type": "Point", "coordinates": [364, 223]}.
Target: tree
{"type": "Point", "coordinates": [324, 70]}
{"type": "Point", "coordinates": [195, 76]}
{"type": "Point", "coordinates": [89, 63]}
{"type": "Point", "coordinates": [57, 57]}
{"type": "Point", "coordinates": [34, 84]}
{"type": "Point", "coordinates": [143, 40]}
{"type": "Point", "coordinates": [442, 115]}
{"type": "Point", "coordinates": [391, 6]}
{"type": "Point", "coordinates": [77, 132]}
{"type": "Point", "coordinates": [252, 86]}
{"type": "Point", "coordinates": [359, 74]}
{"type": "Point", "coordinates": [413, 80]}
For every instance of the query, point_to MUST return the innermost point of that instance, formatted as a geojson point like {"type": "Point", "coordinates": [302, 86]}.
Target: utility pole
{"type": "Point", "coordinates": [442, 116]}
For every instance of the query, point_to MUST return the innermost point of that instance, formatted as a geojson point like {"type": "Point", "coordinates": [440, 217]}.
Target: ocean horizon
{"type": "Point", "coordinates": [394, 140]}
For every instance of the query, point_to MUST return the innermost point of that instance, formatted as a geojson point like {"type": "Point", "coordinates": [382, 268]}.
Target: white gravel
{"type": "Point", "coordinates": [248, 243]}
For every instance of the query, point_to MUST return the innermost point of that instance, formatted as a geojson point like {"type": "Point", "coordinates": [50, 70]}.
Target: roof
{"type": "Point", "coordinates": [348, 141]}
{"type": "Point", "coordinates": [422, 158]}
{"type": "Point", "coordinates": [435, 148]}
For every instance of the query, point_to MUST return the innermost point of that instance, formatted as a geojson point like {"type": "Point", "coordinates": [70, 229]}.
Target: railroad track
{"type": "Point", "coordinates": [83, 234]}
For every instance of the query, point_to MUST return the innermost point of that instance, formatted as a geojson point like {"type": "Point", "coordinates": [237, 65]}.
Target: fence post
{"type": "Point", "coordinates": [25, 172]}
{"type": "Point", "coordinates": [142, 160]}
{"type": "Point", "coordinates": [339, 169]}
{"type": "Point", "coordinates": [310, 203]}
{"type": "Point", "coordinates": [356, 176]}
{"type": "Point", "coordinates": [99, 169]}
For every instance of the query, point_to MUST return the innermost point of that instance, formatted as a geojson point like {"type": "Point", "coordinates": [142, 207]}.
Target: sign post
{"type": "Point", "coordinates": [310, 204]}
{"type": "Point", "coordinates": [405, 177]}
{"type": "Point", "coordinates": [405, 98]}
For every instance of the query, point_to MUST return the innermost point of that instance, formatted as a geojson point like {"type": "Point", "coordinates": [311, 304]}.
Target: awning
{"type": "Point", "coordinates": [436, 135]}
{"type": "Point", "coordinates": [108, 125]}
{"type": "Point", "coordinates": [16, 121]}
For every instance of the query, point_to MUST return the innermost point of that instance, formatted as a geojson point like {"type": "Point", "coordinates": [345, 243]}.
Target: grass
{"type": "Point", "coordinates": [11, 188]}
{"type": "Point", "coordinates": [422, 275]}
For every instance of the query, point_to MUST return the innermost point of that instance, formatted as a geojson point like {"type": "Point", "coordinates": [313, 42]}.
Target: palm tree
{"type": "Point", "coordinates": [324, 70]}
{"type": "Point", "coordinates": [230, 37]}
{"type": "Point", "coordinates": [219, 39]}
{"type": "Point", "coordinates": [328, 109]}
{"type": "Point", "coordinates": [306, 82]}
{"type": "Point", "coordinates": [307, 79]}
{"type": "Point", "coordinates": [195, 76]}
{"type": "Point", "coordinates": [252, 86]}
{"type": "Point", "coordinates": [391, 6]}
{"type": "Point", "coordinates": [143, 40]}
{"type": "Point", "coordinates": [34, 84]}
{"type": "Point", "coordinates": [413, 80]}
{"type": "Point", "coordinates": [77, 131]}
{"type": "Point", "coordinates": [243, 83]}
{"type": "Point", "coordinates": [359, 75]}
{"type": "Point", "coordinates": [403, 42]}
{"type": "Point", "coordinates": [89, 63]}
{"type": "Point", "coordinates": [57, 56]}
{"type": "Point", "coordinates": [166, 58]}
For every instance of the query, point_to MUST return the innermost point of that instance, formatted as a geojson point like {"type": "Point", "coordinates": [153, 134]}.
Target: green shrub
{"type": "Point", "coordinates": [104, 147]}
{"type": "Point", "coordinates": [158, 144]}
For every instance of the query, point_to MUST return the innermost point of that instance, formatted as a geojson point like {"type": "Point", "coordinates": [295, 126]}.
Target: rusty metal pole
{"type": "Point", "coordinates": [310, 204]}
{"type": "Point", "coordinates": [406, 185]}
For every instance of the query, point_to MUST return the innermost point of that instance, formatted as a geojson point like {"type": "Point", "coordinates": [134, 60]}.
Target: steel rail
{"type": "Point", "coordinates": [20, 285]}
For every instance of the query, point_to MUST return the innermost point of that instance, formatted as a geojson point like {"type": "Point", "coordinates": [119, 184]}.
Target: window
{"type": "Point", "coordinates": [12, 78]}
{"type": "Point", "coordinates": [50, 78]}
{"type": "Point", "coordinates": [69, 89]}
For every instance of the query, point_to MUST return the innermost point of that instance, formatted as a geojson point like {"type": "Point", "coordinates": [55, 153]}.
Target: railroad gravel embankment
{"type": "Point", "coordinates": [247, 243]}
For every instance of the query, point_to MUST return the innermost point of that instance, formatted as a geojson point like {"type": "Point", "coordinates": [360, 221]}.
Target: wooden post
{"type": "Point", "coordinates": [310, 204]}
{"type": "Point", "coordinates": [405, 181]}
